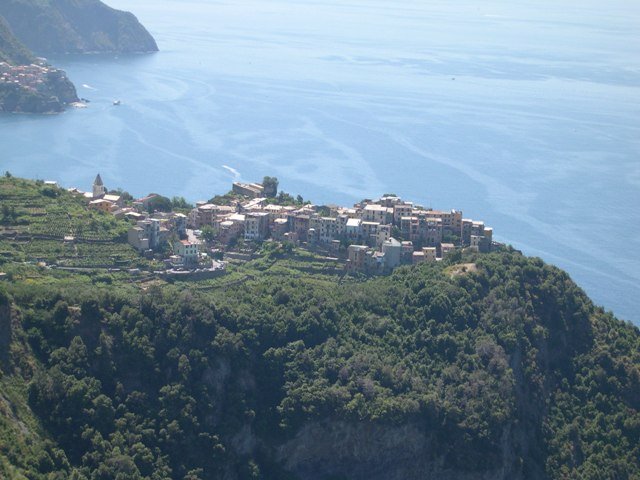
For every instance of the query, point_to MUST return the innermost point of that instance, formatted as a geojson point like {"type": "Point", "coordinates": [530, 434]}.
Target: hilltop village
{"type": "Point", "coordinates": [371, 237]}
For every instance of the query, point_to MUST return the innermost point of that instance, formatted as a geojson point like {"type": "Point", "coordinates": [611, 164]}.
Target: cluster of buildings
{"type": "Point", "coordinates": [32, 76]}
{"type": "Point", "coordinates": [375, 236]}
{"type": "Point", "coordinates": [251, 190]}
{"type": "Point", "coordinates": [150, 231]}
{"type": "Point", "coordinates": [378, 235]}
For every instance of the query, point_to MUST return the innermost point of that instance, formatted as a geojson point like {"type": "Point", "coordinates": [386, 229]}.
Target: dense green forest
{"type": "Point", "coordinates": [503, 370]}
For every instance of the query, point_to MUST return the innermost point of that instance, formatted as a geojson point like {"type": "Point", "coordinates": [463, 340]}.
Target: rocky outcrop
{"type": "Point", "coordinates": [369, 451]}
{"type": "Point", "coordinates": [58, 85]}
{"type": "Point", "coordinates": [52, 95]}
{"type": "Point", "coordinates": [75, 26]}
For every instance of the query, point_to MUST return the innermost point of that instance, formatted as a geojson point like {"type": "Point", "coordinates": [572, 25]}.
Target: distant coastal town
{"type": "Point", "coordinates": [35, 88]}
{"type": "Point", "coordinates": [372, 237]}
{"type": "Point", "coordinates": [34, 77]}
{"type": "Point", "coordinates": [30, 76]}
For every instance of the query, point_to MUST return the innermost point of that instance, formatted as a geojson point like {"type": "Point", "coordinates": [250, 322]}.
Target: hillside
{"type": "Point", "coordinates": [57, 27]}
{"type": "Point", "coordinates": [482, 366]}
{"type": "Point", "coordinates": [75, 26]}
{"type": "Point", "coordinates": [11, 49]}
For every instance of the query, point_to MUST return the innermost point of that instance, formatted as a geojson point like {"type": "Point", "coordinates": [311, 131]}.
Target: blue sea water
{"type": "Point", "coordinates": [525, 114]}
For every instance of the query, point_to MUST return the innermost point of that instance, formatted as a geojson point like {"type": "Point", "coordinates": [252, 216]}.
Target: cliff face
{"type": "Point", "coordinates": [366, 451]}
{"type": "Point", "coordinates": [75, 26]}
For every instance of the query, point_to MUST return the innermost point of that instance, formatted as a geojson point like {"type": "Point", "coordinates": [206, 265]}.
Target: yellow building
{"type": "Point", "coordinates": [101, 204]}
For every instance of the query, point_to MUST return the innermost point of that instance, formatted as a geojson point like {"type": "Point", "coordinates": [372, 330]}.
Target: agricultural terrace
{"type": "Point", "coordinates": [35, 219]}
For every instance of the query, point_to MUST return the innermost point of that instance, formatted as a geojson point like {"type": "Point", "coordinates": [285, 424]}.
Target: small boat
{"type": "Point", "coordinates": [116, 102]}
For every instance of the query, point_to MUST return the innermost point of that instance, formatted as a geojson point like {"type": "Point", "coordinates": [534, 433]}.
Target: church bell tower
{"type": "Point", "coordinates": [98, 187]}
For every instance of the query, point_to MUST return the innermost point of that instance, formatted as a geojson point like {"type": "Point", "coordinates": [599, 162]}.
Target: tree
{"type": "Point", "coordinates": [208, 233]}
{"type": "Point", "coordinates": [159, 204]}
{"type": "Point", "coordinates": [6, 213]}
{"type": "Point", "coordinates": [181, 202]}
{"type": "Point", "coordinates": [125, 196]}
{"type": "Point", "coordinates": [270, 185]}
{"type": "Point", "coordinates": [324, 211]}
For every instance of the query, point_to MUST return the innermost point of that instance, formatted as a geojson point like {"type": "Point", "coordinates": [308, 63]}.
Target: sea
{"type": "Point", "coordinates": [524, 114]}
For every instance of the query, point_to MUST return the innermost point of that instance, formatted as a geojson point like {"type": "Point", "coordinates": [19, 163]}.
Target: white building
{"type": "Point", "coordinates": [187, 251]}
{"type": "Point", "coordinates": [392, 250]}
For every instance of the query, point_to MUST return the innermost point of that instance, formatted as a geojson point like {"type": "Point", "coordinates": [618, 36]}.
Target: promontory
{"type": "Point", "coordinates": [55, 27]}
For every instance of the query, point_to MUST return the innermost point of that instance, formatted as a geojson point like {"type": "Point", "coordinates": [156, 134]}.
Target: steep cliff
{"type": "Point", "coordinates": [11, 49]}
{"type": "Point", "coordinates": [75, 26]}
{"type": "Point", "coordinates": [369, 451]}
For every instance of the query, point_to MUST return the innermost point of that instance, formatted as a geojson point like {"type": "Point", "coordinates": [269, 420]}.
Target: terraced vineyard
{"type": "Point", "coordinates": [57, 223]}
{"type": "Point", "coordinates": [35, 219]}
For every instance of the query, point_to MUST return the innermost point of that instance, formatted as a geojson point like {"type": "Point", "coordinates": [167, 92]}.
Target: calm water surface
{"type": "Point", "coordinates": [524, 114]}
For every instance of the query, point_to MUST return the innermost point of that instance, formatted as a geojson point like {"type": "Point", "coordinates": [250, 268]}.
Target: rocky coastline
{"type": "Point", "coordinates": [29, 28]}
{"type": "Point", "coordinates": [39, 89]}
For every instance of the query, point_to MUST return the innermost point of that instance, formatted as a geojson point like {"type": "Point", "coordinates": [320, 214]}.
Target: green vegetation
{"type": "Point", "coordinates": [181, 204]}
{"type": "Point", "coordinates": [228, 198]}
{"type": "Point", "coordinates": [11, 50]}
{"type": "Point", "coordinates": [59, 27]}
{"type": "Point", "coordinates": [490, 366]}
{"type": "Point", "coordinates": [158, 203]}
{"type": "Point", "coordinates": [159, 383]}
{"type": "Point", "coordinates": [270, 185]}
{"type": "Point", "coordinates": [126, 196]}
{"type": "Point", "coordinates": [35, 219]}
{"type": "Point", "coordinates": [208, 233]}
{"type": "Point", "coordinates": [75, 26]}
{"type": "Point", "coordinates": [286, 199]}
{"type": "Point", "coordinates": [283, 198]}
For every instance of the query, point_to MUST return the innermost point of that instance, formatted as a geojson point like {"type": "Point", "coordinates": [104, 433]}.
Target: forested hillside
{"type": "Point", "coordinates": [484, 366]}
{"type": "Point", "coordinates": [11, 49]}
{"type": "Point", "coordinates": [75, 26]}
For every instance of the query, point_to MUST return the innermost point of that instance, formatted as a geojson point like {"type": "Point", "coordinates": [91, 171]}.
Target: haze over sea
{"type": "Point", "coordinates": [524, 114]}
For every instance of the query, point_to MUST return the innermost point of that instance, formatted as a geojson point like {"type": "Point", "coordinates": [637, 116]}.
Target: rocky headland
{"type": "Point", "coordinates": [34, 88]}
{"type": "Point", "coordinates": [75, 26]}
{"type": "Point", "coordinates": [54, 27]}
